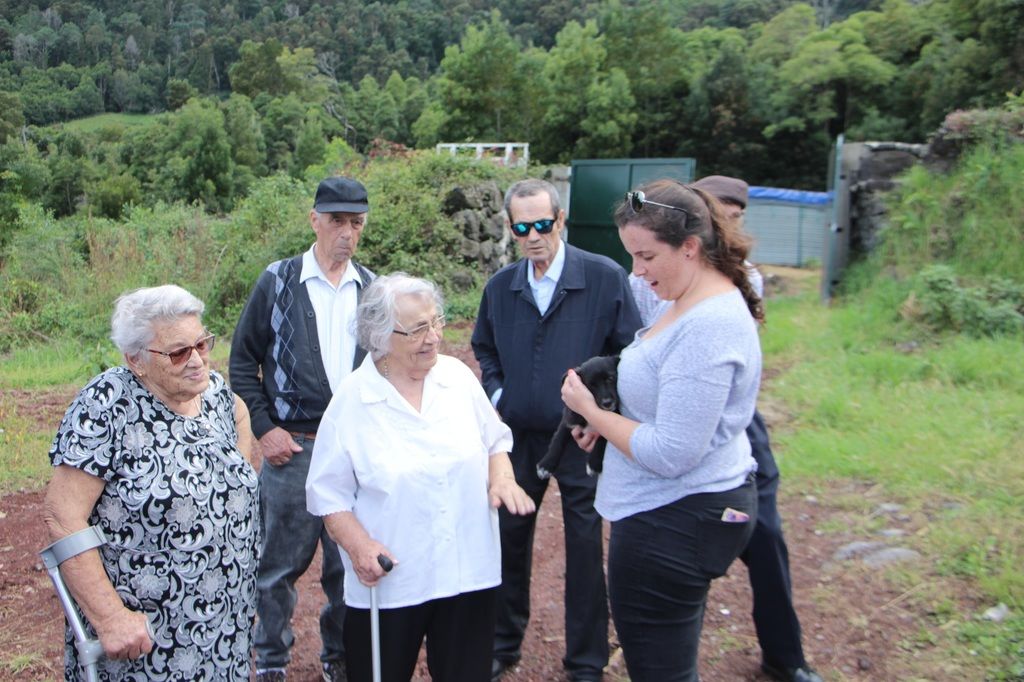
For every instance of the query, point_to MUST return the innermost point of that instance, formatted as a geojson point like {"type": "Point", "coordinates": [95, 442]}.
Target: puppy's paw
{"type": "Point", "coordinates": [542, 473]}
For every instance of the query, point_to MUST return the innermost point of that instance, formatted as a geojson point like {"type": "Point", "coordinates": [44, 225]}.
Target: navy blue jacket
{"type": "Point", "coordinates": [592, 313]}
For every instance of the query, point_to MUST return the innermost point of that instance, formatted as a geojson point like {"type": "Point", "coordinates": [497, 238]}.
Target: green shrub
{"type": "Point", "coordinates": [994, 307]}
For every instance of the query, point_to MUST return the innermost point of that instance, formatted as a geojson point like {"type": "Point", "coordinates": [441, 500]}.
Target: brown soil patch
{"type": "Point", "coordinates": [857, 624]}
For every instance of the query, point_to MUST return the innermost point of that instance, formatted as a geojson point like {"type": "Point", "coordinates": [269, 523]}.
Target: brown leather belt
{"type": "Point", "coordinates": [302, 434]}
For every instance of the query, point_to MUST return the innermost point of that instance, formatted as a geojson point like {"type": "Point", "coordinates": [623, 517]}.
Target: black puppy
{"type": "Point", "coordinates": [600, 375]}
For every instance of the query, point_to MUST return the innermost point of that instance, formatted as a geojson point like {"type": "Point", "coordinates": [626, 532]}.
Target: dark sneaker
{"type": "Point", "coordinates": [803, 673]}
{"type": "Point", "coordinates": [334, 671]}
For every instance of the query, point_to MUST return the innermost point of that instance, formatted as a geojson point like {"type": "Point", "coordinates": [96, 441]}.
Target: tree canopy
{"type": "Point", "coordinates": [757, 88]}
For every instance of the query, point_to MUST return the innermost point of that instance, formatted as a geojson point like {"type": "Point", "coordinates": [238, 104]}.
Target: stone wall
{"type": "Point", "coordinates": [875, 165]}
{"type": "Point", "coordinates": [487, 244]}
{"type": "Point", "coordinates": [874, 174]}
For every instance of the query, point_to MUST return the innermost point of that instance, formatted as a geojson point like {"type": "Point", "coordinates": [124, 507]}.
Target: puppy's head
{"type": "Point", "coordinates": [600, 375]}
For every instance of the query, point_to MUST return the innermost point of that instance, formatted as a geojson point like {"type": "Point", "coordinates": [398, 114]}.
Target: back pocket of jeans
{"type": "Point", "coordinates": [720, 543]}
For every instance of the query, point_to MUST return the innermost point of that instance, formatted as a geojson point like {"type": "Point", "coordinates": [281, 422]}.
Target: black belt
{"type": "Point", "coordinates": [304, 434]}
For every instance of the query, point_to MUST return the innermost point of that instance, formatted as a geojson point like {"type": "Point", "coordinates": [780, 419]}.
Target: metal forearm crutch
{"type": "Point", "coordinates": [89, 650]}
{"type": "Point", "coordinates": [387, 565]}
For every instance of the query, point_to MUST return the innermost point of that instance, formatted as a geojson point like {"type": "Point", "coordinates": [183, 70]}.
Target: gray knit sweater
{"type": "Point", "coordinates": [693, 388]}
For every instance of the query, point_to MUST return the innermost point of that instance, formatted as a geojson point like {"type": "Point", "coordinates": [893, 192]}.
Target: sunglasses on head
{"type": "Point", "coordinates": [541, 226]}
{"type": "Point", "coordinates": [203, 346]}
{"type": "Point", "coordinates": [637, 200]}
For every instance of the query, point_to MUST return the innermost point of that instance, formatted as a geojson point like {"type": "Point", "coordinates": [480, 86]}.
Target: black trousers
{"type": "Point", "coordinates": [660, 565]}
{"type": "Point", "coordinates": [586, 604]}
{"type": "Point", "coordinates": [459, 632]}
{"type": "Point", "coordinates": [767, 560]}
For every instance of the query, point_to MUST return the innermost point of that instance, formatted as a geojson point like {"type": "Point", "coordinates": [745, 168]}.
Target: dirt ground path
{"type": "Point", "coordinates": [857, 626]}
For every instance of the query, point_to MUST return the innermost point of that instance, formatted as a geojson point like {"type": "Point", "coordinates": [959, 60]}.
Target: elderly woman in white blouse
{"type": "Point", "coordinates": [411, 462]}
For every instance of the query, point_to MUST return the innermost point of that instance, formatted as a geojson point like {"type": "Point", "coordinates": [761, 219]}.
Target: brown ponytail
{"type": "Point", "coordinates": [728, 250]}
{"type": "Point", "coordinates": [723, 243]}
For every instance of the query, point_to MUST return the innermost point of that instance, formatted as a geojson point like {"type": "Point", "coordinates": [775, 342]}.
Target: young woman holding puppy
{"type": "Point", "coordinates": [678, 483]}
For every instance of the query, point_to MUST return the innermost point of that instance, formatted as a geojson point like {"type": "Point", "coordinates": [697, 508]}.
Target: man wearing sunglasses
{"type": "Point", "coordinates": [551, 310]}
{"type": "Point", "coordinates": [294, 343]}
{"type": "Point", "coordinates": [766, 555]}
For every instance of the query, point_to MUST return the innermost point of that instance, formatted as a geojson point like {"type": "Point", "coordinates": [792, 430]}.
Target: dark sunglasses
{"type": "Point", "coordinates": [203, 346]}
{"type": "Point", "coordinates": [542, 226]}
{"type": "Point", "coordinates": [637, 201]}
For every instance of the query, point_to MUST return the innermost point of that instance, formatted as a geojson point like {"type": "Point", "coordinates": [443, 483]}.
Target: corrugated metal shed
{"type": "Point", "coordinates": [789, 226]}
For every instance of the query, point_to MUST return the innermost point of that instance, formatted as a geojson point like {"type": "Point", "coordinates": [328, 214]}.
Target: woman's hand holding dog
{"type": "Point", "coordinates": [577, 397]}
{"type": "Point", "coordinates": [584, 439]}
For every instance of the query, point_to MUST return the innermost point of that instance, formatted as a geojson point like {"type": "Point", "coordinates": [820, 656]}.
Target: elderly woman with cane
{"type": "Point", "coordinates": [156, 454]}
{"type": "Point", "coordinates": [411, 463]}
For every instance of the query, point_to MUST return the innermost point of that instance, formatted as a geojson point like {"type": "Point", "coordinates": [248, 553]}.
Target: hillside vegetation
{"type": "Point", "coordinates": [61, 276]}
{"type": "Point", "coordinates": [250, 88]}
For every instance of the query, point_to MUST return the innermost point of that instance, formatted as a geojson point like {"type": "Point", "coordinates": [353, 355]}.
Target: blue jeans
{"type": "Point", "coordinates": [660, 566]}
{"type": "Point", "coordinates": [290, 537]}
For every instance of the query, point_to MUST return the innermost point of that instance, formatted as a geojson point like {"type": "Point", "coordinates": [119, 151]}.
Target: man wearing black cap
{"type": "Point", "coordinates": [766, 556]}
{"type": "Point", "coordinates": [295, 341]}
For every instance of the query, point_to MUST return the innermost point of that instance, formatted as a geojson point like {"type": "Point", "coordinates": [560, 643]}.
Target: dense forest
{"type": "Point", "coordinates": [250, 88]}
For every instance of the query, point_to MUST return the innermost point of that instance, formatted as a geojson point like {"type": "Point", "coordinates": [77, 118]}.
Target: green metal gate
{"type": "Point", "coordinates": [597, 185]}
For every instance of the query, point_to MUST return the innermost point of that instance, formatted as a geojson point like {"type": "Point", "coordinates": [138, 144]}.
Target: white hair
{"type": "Point", "coordinates": [377, 313]}
{"type": "Point", "coordinates": [135, 312]}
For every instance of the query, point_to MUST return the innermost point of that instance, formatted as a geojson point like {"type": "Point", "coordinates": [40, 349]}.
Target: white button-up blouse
{"type": "Point", "coordinates": [416, 481]}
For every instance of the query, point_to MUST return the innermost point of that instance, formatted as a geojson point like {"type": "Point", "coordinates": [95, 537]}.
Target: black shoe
{"type": "Point", "coordinates": [334, 671]}
{"type": "Point", "coordinates": [499, 666]}
{"type": "Point", "coordinates": [802, 673]}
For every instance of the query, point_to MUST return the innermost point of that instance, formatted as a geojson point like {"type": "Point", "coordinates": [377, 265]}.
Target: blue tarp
{"type": "Point", "coordinates": [791, 196]}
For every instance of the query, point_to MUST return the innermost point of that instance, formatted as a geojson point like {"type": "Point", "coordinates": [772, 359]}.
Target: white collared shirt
{"type": "Point", "coordinates": [335, 309]}
{"type": "Point", "coordinates": [544, 289]}
{"type": "Point", "coordinates": [416, 481]}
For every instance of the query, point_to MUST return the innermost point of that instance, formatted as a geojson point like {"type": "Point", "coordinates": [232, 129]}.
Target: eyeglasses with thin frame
{"type": "Point", "coordinates": [541, 226]}
{"type": "Point", "coordinates": [203, 346]}
{"type": "Point", "coordinates": [637, 200]}
{"type": "Point", "coordinates": [420, 332]}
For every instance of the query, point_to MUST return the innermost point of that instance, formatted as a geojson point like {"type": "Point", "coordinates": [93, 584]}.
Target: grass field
{"type": "Point", "coordinates": [109, 120]}
{"type": "Point", "coordinates": [935, 421]}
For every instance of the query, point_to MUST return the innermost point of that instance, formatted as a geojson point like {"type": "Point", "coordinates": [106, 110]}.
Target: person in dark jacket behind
{"type": "Point", "coordinates": [549, 311]}
{"type": "Point", "coordinates": [294, 343]}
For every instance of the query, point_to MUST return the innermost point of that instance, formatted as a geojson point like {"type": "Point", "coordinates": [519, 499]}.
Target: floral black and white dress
{"type": "Point", "coordinates": [180, 511]}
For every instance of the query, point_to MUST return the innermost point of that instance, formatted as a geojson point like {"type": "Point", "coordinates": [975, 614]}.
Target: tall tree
{"type": "Point", "coordinates": [822, 82]}
{"type": "Point", "coordinates": [257, 69]}
{"type": "Point", "coordinates": [11, 116]}
{"type": "Point", "coordinates": [480, 84]}
{"type": "Point", "coordinates": [589, 108]}
{"type": "Point", "coordinates": [199, 164]}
